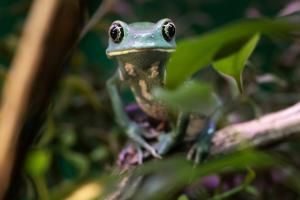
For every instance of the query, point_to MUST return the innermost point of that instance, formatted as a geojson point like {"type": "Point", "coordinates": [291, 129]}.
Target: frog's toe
{"type": "Point", "coordinates": [200, 150]}
{"type": "Point", "coordinates": [154, 153]}
{"type": "Point", "coordinates": [198, 153]}
{"type": "Point", "coordinates": [165, 143]}
{"type": "Point", "coordinates": [152, 150]}
{"type": "Point", "coordinates": [135, 133]}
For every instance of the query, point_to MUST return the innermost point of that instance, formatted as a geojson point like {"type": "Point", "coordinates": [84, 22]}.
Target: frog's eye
{"type": "Point", "coordinates": [116, 32]}
{"type": "Point", "coordinates": [168, 30]}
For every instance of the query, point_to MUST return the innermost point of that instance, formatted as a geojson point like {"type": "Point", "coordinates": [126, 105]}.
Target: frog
{"type": "Point", "coordinates": [142, 50]}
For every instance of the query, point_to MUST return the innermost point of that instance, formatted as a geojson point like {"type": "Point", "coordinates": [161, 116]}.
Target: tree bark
{"type": "Point", "coordinates": [266, 129]}
{"type": "Point", "coordinates": [49, 34]}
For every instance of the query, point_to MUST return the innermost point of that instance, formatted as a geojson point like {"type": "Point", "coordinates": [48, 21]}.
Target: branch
{"type": "Point", "coordinates": [269, 128]}
{"type": "Point", "coordinates": [49, 33]}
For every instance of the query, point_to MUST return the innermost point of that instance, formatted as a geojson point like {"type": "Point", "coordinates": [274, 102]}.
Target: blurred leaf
{"type": "Point", "coordinates": [37, 162]}
{"type": "Point", "coordinates": [234, 64]}
{"type": "Point", "coordinates": [229, 193]}
{"type": "Point", "coordinates": [165, 178]}
{"type": "Point", "coordinates": [193, 54]}
{"type": "Point", "coordinates": [83, 86]}
{"type": "Point", "coordinates": [235, 161]}
{"type": "Point", "coordinates": [99, 154]}
{"type": "Point", "coordinates": [79, 161]}
{"type": "Point", "coordinates": [225, 195]}
{"type": "Point", "coordinates": [192, 96]}
{"type": "Point", "coordinates": [250, 177]}
{"type": "Point", "coordinates": [183, 197]}
{"type": "Point", "coordinates": [68, 137]}
{"type": "Point", "coordinates": [66, 188]}
{"type": "Point", "coordinates": [293, 178]}
{"type": "Point", "coordinates": [252, 190]}
{"type": "Point", "coordinates": [87, 191]}
{"type": "Point", "coordinates": [49, 133]}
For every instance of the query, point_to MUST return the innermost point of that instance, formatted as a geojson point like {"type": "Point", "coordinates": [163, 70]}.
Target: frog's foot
{"type": "Point", "coordinates": [135, 133]}
{"type": "Point", "coordinates": [200, 150]}
{"type": "Point", "coordinates": [129, 156]}
{"type": "Point", "coordinates": [165, 143]}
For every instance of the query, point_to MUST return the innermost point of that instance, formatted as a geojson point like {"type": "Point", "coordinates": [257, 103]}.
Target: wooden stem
{"type": "Point", "coordinates": [49, 33]}
{"type": "Point", "coordinates": [269, 128]}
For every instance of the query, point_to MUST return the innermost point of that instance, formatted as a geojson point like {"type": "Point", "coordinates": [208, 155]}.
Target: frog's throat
{"type": "Point", "coordinates": [123, 52]}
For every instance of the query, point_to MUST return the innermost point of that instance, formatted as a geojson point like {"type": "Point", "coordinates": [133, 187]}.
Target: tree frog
{"type": "Point", "coordinates": [142, 50]}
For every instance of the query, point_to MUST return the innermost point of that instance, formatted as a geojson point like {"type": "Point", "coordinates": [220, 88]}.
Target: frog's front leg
{"type": "Point", "coordinates": [169, 140]}
{"type": "Point", "coordinates": [132, 129]}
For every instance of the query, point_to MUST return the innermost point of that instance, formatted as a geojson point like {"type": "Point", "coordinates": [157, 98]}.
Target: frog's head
{"type": "Point", "coordinates": [141, 36]}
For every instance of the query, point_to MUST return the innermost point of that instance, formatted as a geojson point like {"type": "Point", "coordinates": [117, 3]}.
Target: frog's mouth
{"type": "Point", "coordinates": [128, 51]}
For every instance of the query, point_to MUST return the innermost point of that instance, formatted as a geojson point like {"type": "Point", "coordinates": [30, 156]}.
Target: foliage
{"type": "Point", "coordinates": [228, 56]}
{"type": "Point", "coordinates": [192, 96]}
{"type": "Point", "coordinates": [234, 64]}
{"type": "Point", "coordinates": [80, 142]}
{"type": "Point", "coordinates": [186, 173]}
{"type": "Point", "coordinates": [219, 44]}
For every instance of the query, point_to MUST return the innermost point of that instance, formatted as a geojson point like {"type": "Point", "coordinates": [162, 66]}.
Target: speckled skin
{"type": "Point", "coordinates": [142, 56]}
{"type": "Point", "coordinates": [142, 50]}
{"type": "Point", "coordinates": [142, 77]}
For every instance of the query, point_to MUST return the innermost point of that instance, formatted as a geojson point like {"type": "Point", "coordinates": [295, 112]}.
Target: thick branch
{"type": "Point", "coordinates": [49, 33]}
{"type": "Point", "coordinates": [269, 128]}
{"type": "Point", "coordinates": [274, 126]}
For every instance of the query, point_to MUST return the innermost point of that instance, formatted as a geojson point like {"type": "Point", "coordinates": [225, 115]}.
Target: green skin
{"type": "Point", "coordinates": [142, 55]}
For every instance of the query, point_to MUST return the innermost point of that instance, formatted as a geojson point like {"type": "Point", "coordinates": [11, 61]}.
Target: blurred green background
{"type": "Point", "coordinates": [80, 141]}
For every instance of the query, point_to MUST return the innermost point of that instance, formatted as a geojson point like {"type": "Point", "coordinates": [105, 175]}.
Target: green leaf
{"type": "Point", "coordinates": [68, 137]}
{"type": "Point", "coordinates": [81, 85]}
{"type": "Point", "coordinates": [195, 53]}
{"type": "Point", "coordinates": [227, 163]}
{"type": "Point", "coordinates": [79, 161]}
{"type": "Point", "coordinates": [192, 96]}
{"type": "Point", "coordinates": [252, 190]}
{"type": "Point", "coordinates": [234, 64]}
{"type": "Point", "coordinates": [250, 177]}
{"type": "Point", "coordinates": [38, 162]}
{"type": "Point", "coordinates": [183, 197]}
{"type": "Point", "coordinates": [229, 193]}
{"type": "Point", "coordinates": [167, 177]}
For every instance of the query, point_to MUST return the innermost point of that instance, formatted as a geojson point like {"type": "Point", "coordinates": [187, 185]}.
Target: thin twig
{"type": "Point", "coordinates": [103, 8]}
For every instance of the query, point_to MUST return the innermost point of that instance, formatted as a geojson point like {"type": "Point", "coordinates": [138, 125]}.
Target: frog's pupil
{"type": "Point", "coordinates": [168, 30]}
{"type": "Point", "coordinates": [116, 32]}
